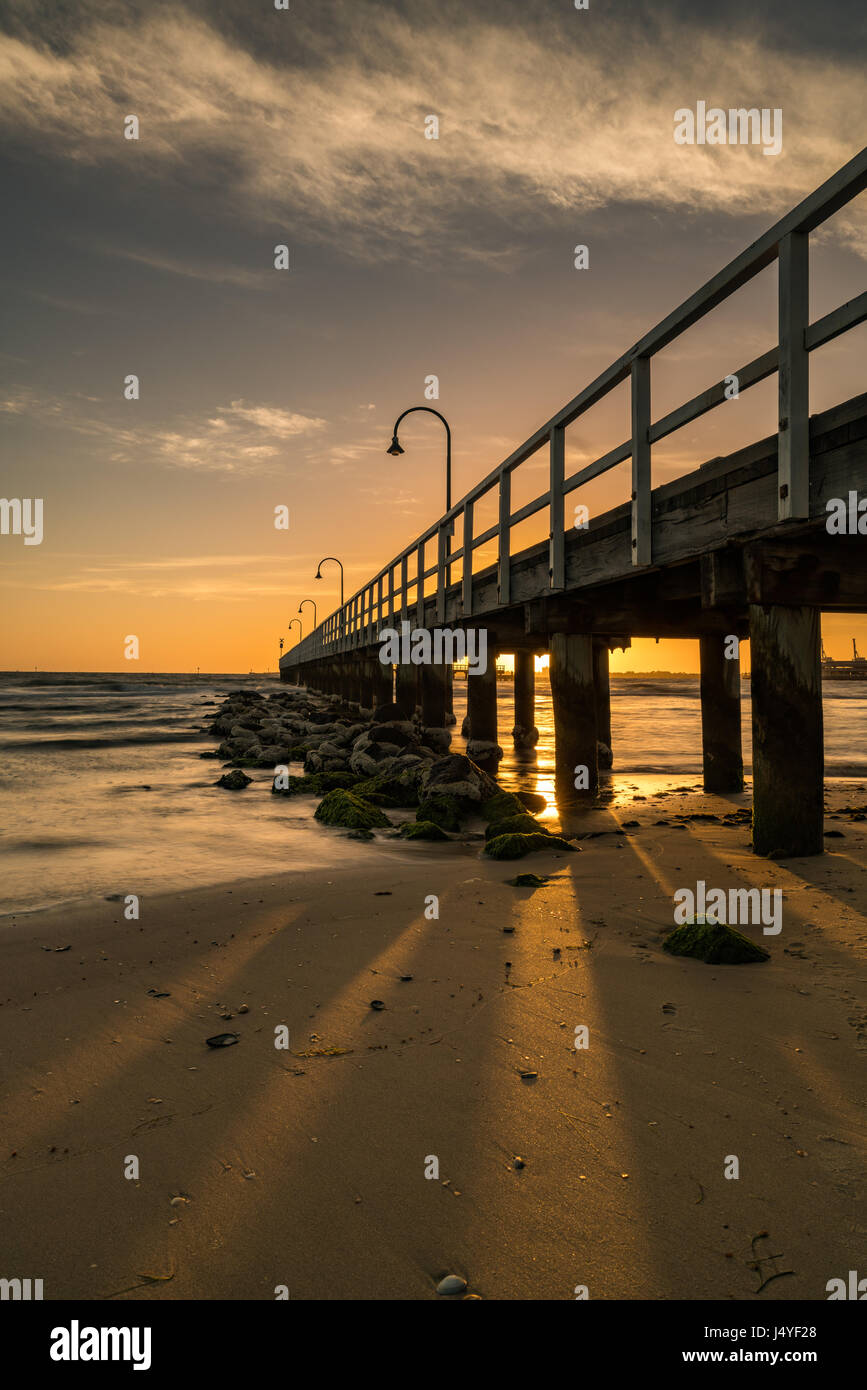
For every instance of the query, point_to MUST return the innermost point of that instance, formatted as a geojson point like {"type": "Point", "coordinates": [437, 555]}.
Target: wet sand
{"type": "Point", "coordinates": [306, 1168]}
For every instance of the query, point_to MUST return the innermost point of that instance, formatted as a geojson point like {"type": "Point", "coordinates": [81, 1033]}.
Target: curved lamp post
{"type": "Point", "coordinates": [308, 600]}
{"type": "Point", "coordinates": [300, 628]}
{"type": "Point", "coordinates": [318, 575]}
{"type": "Point", "coordinates": [395, 449]}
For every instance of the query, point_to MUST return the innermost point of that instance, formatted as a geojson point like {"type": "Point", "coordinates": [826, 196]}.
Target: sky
{"type": "Point", "coordinates": [408, 258]}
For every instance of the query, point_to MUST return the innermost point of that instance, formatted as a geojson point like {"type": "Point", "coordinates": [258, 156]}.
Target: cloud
{"type": "Point", "coordinates": [239, 438]}
{"type": "Point", "coordinates": [536, 125]}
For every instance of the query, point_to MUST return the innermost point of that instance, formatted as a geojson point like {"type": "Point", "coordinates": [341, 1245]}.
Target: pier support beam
{"type": "Point", "coordinates": [573, 694]}
{"type": "Point", "coordinates": [525, 733]}
{"type": "Point", "coordinates": [482, 744]}
{"type": "Point", "coordinates": [602, 688]}
{"type": "Point", "coordinates": [406, 689]}
{"type": "Point", "coordinates": [450, 695]}
{"type": "Point", "coordinates": [382, 679]}
{"type": "Point", "coordinates": [433, 696]}
{"type": "Point", "coordinates": [720, 686]}
{"type": "Point", "coordinates": [788, 751]}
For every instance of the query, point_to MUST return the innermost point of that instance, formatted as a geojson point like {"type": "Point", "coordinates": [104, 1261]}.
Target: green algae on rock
{"type": "Point", "coordinates": [516, 846]}
{"type": "Point", "coordinates": [515, 825]}
{"type": "Point", "coordinates": [234, 781]}
{"type": "Point", "coordinates": [501, 806]}
{"type": "Point", "coordinates": [442, 811]}
{"type": "Point", "coordinates": [340, 807]}
{"type": "Point", "coordinates": [714, 943]}
{"type": "Point", "coordinates": [422, 830]}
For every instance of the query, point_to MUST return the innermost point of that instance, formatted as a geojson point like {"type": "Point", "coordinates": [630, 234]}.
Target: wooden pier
{"type": "Point", "coordinates": [736, 548]}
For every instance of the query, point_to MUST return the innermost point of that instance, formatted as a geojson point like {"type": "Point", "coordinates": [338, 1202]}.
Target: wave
{"type": "Point", "coordinates": [32, 745]}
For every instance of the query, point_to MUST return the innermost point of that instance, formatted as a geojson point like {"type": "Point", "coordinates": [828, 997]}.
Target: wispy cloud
{"type": "Point", "coordinates": [335, 150]}
{"type": "Point", "coordinates": [238, 438]}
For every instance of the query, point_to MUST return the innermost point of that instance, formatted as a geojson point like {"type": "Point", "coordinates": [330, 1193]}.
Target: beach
{"type": "Point", "coordinates": [303, 1169]}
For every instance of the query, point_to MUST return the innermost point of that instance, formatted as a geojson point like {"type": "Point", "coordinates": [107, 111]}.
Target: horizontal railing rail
{"type": "Point", "coordinates": [386, 598]}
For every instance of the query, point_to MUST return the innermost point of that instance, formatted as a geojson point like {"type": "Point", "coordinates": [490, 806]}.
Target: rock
{"type": "Point", "coordinates": [501, 806]}
{"type": "Point", "coordinates": [516, 846]}
{"type": "Point", "coordinates": [533, 801]}
{"type": "Point", "coordinates": [524, 737]}
{"type": "Point", "coordinates": [387, 714]}
{"type": "Point", "coordinates": [443, 811]}
{"type": "Point", "coordinates": [361, 835]}
{"type": "Point", "coordinates": [377, 1004]}
{"type": "Point", "coordinates": [714, 943]}
{"type": "Point", "coordinates": [296, 786]}
{"type": "Point", "coordinates": [437, 739]}
{"type": "Point", "coordinates": [398, 734]}
{"type": "Point", "coordinates": [312, 762]}
{"type": "Point", "coordinates": [342, 807]}
{"type": "Point", "coordinates": [222, 1040]}
{"type": "Point", "coordinates": [422, 830]}
{"type": "Point", "coordinates": [456, 775]}
{"type": "Point", "coordinates": [483, 750]}
{"type": "Point", "coordinates": [527, 881]}
{"type": "Point", "coordinates": [453, 1283]}
{"type": "Point", "coordinates": [515, 825]}
{"type": "Point", "coordinates": [234, 781]}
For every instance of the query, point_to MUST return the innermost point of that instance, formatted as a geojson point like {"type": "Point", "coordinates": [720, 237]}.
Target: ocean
{"type": "Point", "coordinates": [103, 791]}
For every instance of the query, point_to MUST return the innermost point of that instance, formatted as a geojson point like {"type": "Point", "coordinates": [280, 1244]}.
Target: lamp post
{"type": "Point", "coordinates": [318, 575]}
{"type": "Point", "coordinates": [395, 449]}
{"type": "Point", "coordinates": [308, 600]}
{"type": "Point", "coordinates": [300, 628]}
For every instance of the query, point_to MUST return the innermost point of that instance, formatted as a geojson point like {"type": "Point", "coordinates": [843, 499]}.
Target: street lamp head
{"type": "Point", "coordinates": [395, 448]}
{"type": "Point", "coordinates": [317, 575]}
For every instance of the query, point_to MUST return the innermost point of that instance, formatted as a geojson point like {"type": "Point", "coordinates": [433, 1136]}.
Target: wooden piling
{"type": "Point", "coordinates": [602, 689]}
{"type": "Point", "coordinates": [573, 696]}
{"type": "Point", "coordinates": [525, 733]}
{"type": "Point", "coordinates": [433, 695]}
{"type": "Point", "coordinates": [720, 687]}
{"type": "Point", "coordinates": [406, 689]}
{"type": "Point", "coordinates": [788, 752]}
{"type": "Point", "coordinates": [482, 744]}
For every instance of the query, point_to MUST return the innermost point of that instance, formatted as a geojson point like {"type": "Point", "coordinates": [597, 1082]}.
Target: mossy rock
{"type": "Point", "coordinates": [341, 807]}
{"type": "Point", "coordinates": [533, 801]}
{"type": "Point", "coordinates": [329, 780]}
{"type": "Point", "coordinates": [389, 791]}
{"type": "Point", "coordinates": [527, 881]}
{"type": "Point", "coordinates": [361, 835]}
{"type": "Point", "coordinates": [297, 786]}
{"type": "Point", "coordinates": [715, 944]}
{"type": "Point", "coordinates": [515, 825]}
{"type": "Point", "coordinates": [234, 781]}
{"type": "Point", "coordinates": [502, 806]}
{"type": "Point", "coordinates": [516, 846]}
{"type": "Point", "coordinates": [422, 830]}
{"type": "Point", "coordinates": [442, 811]}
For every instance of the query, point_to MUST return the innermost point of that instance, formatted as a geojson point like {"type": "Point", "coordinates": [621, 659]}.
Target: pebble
{"type": "Point", "coordinates": [377, 1004]}
{"type": "Point", "coordinates": [222, 1040]}
{"type": "Point", "coordinates": [243, 1009]}
{"type": "Point", "coordinates": [519, 1162]}
{"type": "Point", "coordinates": [453, 1283]}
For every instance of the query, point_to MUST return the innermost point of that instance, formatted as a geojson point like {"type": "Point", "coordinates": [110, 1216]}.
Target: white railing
{"type": "Point", "coordinates": [383, 600]}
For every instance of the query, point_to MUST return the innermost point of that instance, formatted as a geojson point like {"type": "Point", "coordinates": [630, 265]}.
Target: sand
{"type": "Point", "coordinates": [306, 1168]}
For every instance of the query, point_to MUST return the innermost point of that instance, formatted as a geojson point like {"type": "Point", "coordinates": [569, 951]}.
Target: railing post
{"type": "Point", "coordinates": [468, 561]}
{"type": "Point", "coordinates": [404, 587]}
{"type": "Point", "coordinates": [504, 567]}
{"type": "Point", "coordinates": [793, 440]}
{"type": "Point", "coordinates": [419, 591]}
{"type": "Point", "coordinates": [557, 537]}
{"type": "Point", "coordinates": [442, 552]}
{"type": "Point", "coordinates": [642, 545]}
{"type": "Point", "coordinates": [391, 595]}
